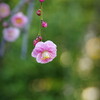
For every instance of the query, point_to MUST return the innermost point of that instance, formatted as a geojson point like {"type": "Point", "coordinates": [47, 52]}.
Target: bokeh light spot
{"type": "Point", "coordinates": [65, 59]}
{"type": "Point", "coordinates": [93, 48]}
{"type": "Point", "coordinates": [91, 93]}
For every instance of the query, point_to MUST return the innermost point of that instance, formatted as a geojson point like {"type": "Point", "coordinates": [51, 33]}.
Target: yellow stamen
{"type": "Point", "coordinates": [19, 20]}
{"type": "Point", "coordinates": [45, 55]}
{"type": "Point", "coordinates": [2, 10]}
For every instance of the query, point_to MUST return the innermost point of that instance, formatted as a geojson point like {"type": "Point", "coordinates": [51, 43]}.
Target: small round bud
{"type": "Point", "coordinates": [35, 42]}
{"type": "Point", "coordinates": [38, 12]}
{"type": "Point", "coordinates": [41, 0]}
{"type": "Point", "coordinates": [44, 24]}
{"type": "Point", "coordinates": [38, 39]}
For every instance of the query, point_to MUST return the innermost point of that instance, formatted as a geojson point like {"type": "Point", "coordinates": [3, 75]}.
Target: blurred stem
{"type": "Point", "coordinates": [41, 11]}
{"type": "Point", "coordinates": [26, 30]}
{"type": "Point", "coordinates": [18, 7]}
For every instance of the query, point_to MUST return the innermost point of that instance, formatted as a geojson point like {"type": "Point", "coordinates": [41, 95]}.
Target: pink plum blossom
{"type": "Point", "coordinates": [4, 10]}
{"type": "Point", "coordinates": [44, 52]}
{"type": "Point", "coordinates": [10, 34]}
{"type": "Point", "coordinates": [41, 0]}
{"type": "Point", "coordinates": [19, 20]}
{"type": "Point", "coordinates": [44, 24]}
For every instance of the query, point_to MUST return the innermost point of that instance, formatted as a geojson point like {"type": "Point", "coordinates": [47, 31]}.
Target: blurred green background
{"type": "Point", "coordinates": [73, 25]}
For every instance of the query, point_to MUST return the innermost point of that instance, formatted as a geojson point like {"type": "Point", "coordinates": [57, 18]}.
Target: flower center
{"type": "Point", "coordinates": [2, 10]}
{"type": "Point", "coordinates": [45, 55]}
{"type": "Point", "coordinates": [10, 33]}
{"type": "Point", "coordinates": [18, 20]}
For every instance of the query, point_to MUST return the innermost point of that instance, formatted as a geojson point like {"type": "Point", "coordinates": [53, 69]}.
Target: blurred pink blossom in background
{"type": "Point", "coordinates": [4, 10]}
{"type": "Point", "coordinates": [11, 34]}
{"type": "Point", "coordinates": [44, 52]}
{"type": "Point", "coordinates": [19, 20]}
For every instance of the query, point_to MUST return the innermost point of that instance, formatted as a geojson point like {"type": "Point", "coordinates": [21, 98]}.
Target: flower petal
{"type": "Point", "coordinates": [50, 44]}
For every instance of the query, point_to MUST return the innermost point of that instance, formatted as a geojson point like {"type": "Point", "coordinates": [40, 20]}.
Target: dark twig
{"type": "Point", "coordinates": [2, 47]}
{"type": "Point", "coordinates": [26, 30]}
{"type": "Point", "coordinates": [18, 7]}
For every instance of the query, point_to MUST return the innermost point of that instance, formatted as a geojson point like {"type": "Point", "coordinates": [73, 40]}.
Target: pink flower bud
{"type": "Point", "coordinates": [44, 24]}
{"type": "Point", "coordinates": [41, 0]}
{"type": "Point", "coordinates": [38, 39]}
{"type": "Point", "coordinates": [35, 42]}
{"type": "Point", "coordinates": [38, 12]}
